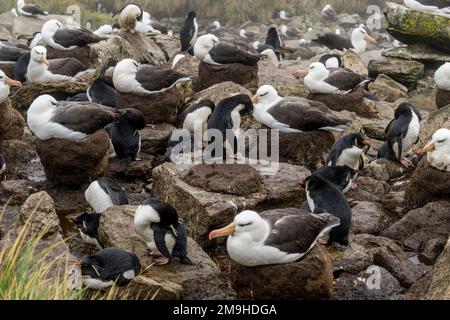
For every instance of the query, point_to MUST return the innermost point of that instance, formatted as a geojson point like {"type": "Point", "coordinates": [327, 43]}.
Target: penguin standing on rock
{"type": "Point", "coordinates": [324, 197]}
{"type": "Point", "coordinates": [87, 224]}
{"type": "Point", "coordinates": [197, 115]}
{"type": "Point", "coordinates": [104, 193]}
{"type": "Point", "coordinates": [109, 266]}
{"type": "Point", "coordinates": [402, 133]}
{"type": "Point", "coordinates": [227, 117]}
{"type": "Point", "coordinates": [348, 150]}
{"type": "Point", "coordinates": [341, 176]}
{"type": "Point", "coordinates": [125, 136]}
{"type": "Point", "coordinates": [189, 31]}
{"type": "Point", "coordinates": [162, 230]}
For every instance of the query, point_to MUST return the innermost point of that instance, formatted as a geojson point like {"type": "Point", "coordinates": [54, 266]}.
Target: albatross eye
{"type": "Point", "coordinates": [244, 224]}
{"type": "Point", "coordinates": [264, 94]}
{"type": "Point", "coordinates": [53, 103]}
{"type": "Point", "coordinates": [441, 141]}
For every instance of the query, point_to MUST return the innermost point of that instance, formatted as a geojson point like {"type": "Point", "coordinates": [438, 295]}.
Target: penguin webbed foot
{"type": "Point", "coordinates": [161, 261]}
{"type": "Point", "coordinates": [406, 162]}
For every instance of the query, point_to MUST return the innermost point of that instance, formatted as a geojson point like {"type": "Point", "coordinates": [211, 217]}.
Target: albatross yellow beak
{"type": "Point", "coordinates": [11, 82]}
{"type": "Point", "coordinates": [300, 73]}
{"type": "Point", "coordinates": [45, 61]}
{"type": "Point", "coordinates": [255, 99]}
{"type": "Point", "coordinates": [224, 232]}
{"type": "Point", "coordinates": [428, 148]}
{"type": "Point", "coordinates": [370, 39]}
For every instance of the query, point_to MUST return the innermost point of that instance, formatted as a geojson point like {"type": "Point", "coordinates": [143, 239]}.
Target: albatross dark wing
{"type": "Point", "coordinates": [33, 9]}
{"type": "Point", "coordinates": [334, 41]}
{"type": "Point", "coordinates": [225, 53]}
{"type": "Point", "coordinates": [155, 79]}
{"type": "Point", "coordinates": [305, 115]}
{"type": "Point", "coordinates": [10, 53]}
{"type": "Point", "coordinates": [344, 79]}
{"type": "Point", "coordinates": [117, 194]}
{"type": "Point", "coordinates": [75, 37]}
{"type": "Point", "coordinates": [66, 66]}
{"type": "Point", "coordinates": [294, 230]}
{"type": "Point", "coordinates": [84, 116]}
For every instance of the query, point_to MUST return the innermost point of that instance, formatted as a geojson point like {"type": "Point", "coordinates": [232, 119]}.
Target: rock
{"type": "Point", "coordinates": [188, 65]}
{"type": "Point", "coordinates": [86, 55]}
{"type": "Point", "coordinates": [39, 207]}
{"type": "Point", "coordinates": [162, 107]}
{"type": "Point", "coordinates": [10, 215]}
{"type": "Point", "coordinates": [433, 248]}
{"type": "Point", "coordinates": [16, 151]}
{"type": "Point", "coordinates": [135, 170]}
{"type": "Point", "coordinates": [299, 90]}
{"type": "Point", "coordinates": [419, 226]}
{"type": "Point", "coordinates": [412, 26]}
{"type": "Point", "coordinates": [426, 185]}
{"type": "Point", "coordinates": [225, 178]}
{"type": "Point", "coordinates": [388, 89]}
{"type": "Point", "coordinates": [12, 123]}
{"type": "Point", "coordinates": [374, 186]}
{"type": "Point", "coordinates": [169, 45]}
{"type": "Point", "coordinates": [209, 75]}
{"type": "Point", "coordinates": [348, 20]}
{"type": "Point", "coordinates": [394, 202]}
{"type": "Point", "coordinates": [310, 278]}
{"type": "Point", "coordinates": [385, 170]}
{"type": "Point", "coordinates": [204, 211]}
{"type": "Point", "coordinates": [403, 71]}
{"type": "Point", "coordinates": [352, 260]}
{"type": "Point", "coordinates": [442, 98]}
{"type": "Point", "coordinates": [390, 256]}
{"type": "Point", "coordinates": [352, 61]}
{"type": "Point", "coordinates": [365, 286]}
{"type": "Point", "coordinates": [72, 163]}
{"type": "Point", "coordinates": [436, 120]}
{"type": "Point", "coordinates": [221, 91]}
{"type": "Point", "coordinates": [202, 280]}
{"type": "Point", "coordinates": [353, 102]}
{"type": "Point", "coordinates": [17, 190]}
{"type": "Point", "coordinates": [439, 288]}
{"type": "Point", "coordinates": [26, 26]}
{"type": "Point", "coordinates": [366, 218]}
{"type": "Point", "coordinates": [25, 95]}
{"type": "Point", "coordinates": [417, 51]}
{"type": "Point", "coordinates": [275, 76]}
{"type": "Point", "coordinates": [154, 139]}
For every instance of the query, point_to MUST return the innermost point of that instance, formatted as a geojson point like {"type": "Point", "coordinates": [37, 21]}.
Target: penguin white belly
{"type": "Point", "coordinates": [90, 240]}
{"type": "Point", "coordinates": [130, 274]}
{"type": "Point", "coordinates": [256, 254]}
{"type": "Point", "coordinates": [194, 38]}
{"type": "Point", "coordinates": [96, 283]}
{"type": "Point", "coordinates": [147, 234]}
{"type": "Point", "coordinates": [97, 198]}
{"type": "Point", "coordinates": [411, 136]}
{"type": "Point", "coordinates": [350, 157]}
{"type": "Point", "coordinates": [312, 207]}
{"type": "Point", "coordinates": [3, 168]}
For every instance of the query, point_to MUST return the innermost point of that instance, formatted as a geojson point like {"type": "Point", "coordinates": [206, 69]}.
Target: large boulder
{"type": "Point", "coordinates": [353, 260]}
{"type": "Point", "coordinates": [204, 211]}
{"type": "Point", "coordinates": [209, 75]}
{"type": "Point", "coordinates": [154, 139]}
{"type": "Point", "coordinates": [26, 26]}
{"type": "Point", "coordinates": [12, 123]}
{"type": "Point", "coordinates": [388, 89]}
{"type": "Point", "coordinates": [412, 26]}
{"type": "Point", "coordinates": [17, 191]}
{"type": "Point", "coordinates": [202, 280]}
{"type": "Point", "coordinates": [439, 288]}
{"type": "Point", "coordinates": [436, 120]}
{"type": "Point", "coordinates": [417, 51]}
{"type": "Point", "coordinates": [387, 254]}
{"type": "Point", "coordinates": [404, 71]}
{"type": "Point", "coordinates": [426, 185]}
{"type": "Point", "coordinates": [310, 278]}
{"type": "Point", "coordinates": [352, 61]}
{"type": "Point", "coordinates": [73, 163]}
{"type": "Point", "coordinates": [367, 217]}
{"type": "Point", "coordinates": [419, 227]}
{"type": "Point", "coordinates": [221, 91]}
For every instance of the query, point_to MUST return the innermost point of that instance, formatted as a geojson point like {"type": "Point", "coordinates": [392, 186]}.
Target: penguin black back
{"type": "Point", "coordinates": [116, 193]}
{"type": "Point", "coordinates": [187, 32]}
{"type": "Point", "coordinates": [102, 90]}
{"type": "Point", "coordinates": [327, 198]}
{"type": "Point", "coordinates": [273, 38]}
{"type": "Point", "coordinates": [20, 69]}
{"type": "Point", "coordinates": [340, 176]}
{"type": "Point", "coordinates": [168, 215]}
{"type": "Point", "coordinates": [196, 106]}
{"type": "Point", "coordinates": [323, 59]}
{"type": "Point", "coordinates": [346, 142]}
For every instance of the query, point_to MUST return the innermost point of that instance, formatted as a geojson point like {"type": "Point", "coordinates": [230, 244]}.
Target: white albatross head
{"type": "Point", "coordinates": [266, 96]}
{"type": "Point", "coordinates": [359, 39]}
{"type": "Point", "coordinates": [247, 226]}
{"type": "Point", "coordinates": [39, 55]}
{"type": "Point", "coordinates": [126, 66]}
{"type": "Point", "coordinates": [442, 77]}
{"type": "Point", "coordinates": [316, 72]}
{"type": "Point", "coordinates": [50, 27]}
{"type": "Point", "coordinates": [440, 143]}
{"type": "Point", "coordinates": [204, 44]}
{"type": "Point", "coordinates": [5, 83]}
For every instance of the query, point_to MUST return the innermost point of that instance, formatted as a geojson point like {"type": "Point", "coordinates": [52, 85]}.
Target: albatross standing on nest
{"type": "Point", "coordinates": [438, 150]}
{"type": "Point", "coordinates": [37, 70]}
{"type": "Point", "coordinates": [30, 10]}
{"type": "Point", "coordinates": [56, 37]}
{"type": "Point", "coordinates": [49, 119]}
{"type": "Point", "coordinates": [293, 114]}
{"type": "Point", "coordinates": [130, 77]}
{"type": "Point", "coordinates": [357, 42]}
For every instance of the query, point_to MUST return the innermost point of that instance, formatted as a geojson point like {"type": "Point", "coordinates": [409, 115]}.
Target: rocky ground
{"type": "Point", "coordinates": [401, 218]}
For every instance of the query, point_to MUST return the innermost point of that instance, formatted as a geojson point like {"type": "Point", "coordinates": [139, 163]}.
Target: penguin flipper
{"type": "Point", "coordinates": [180, 249]}
{"type": "Point", "coordinates": [160, 240]}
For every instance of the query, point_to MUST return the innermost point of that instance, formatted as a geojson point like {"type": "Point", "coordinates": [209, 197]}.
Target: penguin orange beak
{"type": "Point", "coordinates": [370, 39]}
{"type": "Point", "coordinates": [366, 142]}
{"type": "Point", "coordinates": [430, 147]}
{"type": "Point", "coordinates": [301, 73]}
{"type": "Point", "coordinates": [255, 99]}
{"type": "Point", "coordinates": [11, 82]}
{"type": "Point", "coordinates": [45, 61]}
{"type": "Point", "coordinates": [224, 232]}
